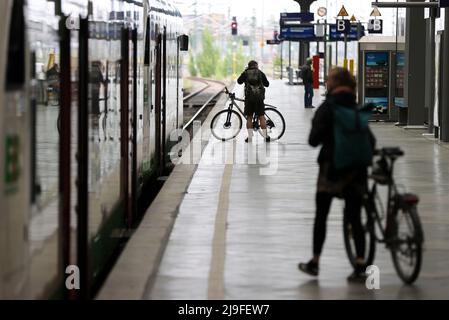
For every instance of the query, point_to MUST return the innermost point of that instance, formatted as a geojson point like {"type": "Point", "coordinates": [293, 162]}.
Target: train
{"type": "Point", "coordinates": [90, 94]}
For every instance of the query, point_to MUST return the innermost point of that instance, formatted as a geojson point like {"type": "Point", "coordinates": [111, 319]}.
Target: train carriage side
{"type": "Point", "coordinates": [15, 155]}
{"type": "Point", "coordinates": [84, 146]}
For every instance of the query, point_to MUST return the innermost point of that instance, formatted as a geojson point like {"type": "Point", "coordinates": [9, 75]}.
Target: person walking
{"type": "Point", "coordinates": [255, 82]}
{"type": "Point", "coordinates": [307, 78]}
{"type": "Point", "coordinates": [348, 183]}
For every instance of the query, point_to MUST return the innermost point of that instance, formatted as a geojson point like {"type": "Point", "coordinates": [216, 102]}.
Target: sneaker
{"type": "Point", "coordinates": [358, 275]}
{"type": "Point", "coordinates": [311, 268]}
{"type": "Point", "coordinates": [267, 139]}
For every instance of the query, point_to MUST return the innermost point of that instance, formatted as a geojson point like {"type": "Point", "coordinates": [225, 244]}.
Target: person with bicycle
{"type": "Point", "coordinates": [349, 184]}
{"type": "Point", "coordinates": [255, 82]}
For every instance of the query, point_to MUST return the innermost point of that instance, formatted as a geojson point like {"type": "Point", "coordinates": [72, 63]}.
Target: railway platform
{"type": "Point", "coordinates": [227, 225]}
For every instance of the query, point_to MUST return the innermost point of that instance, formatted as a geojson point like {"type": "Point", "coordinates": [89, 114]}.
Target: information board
{"type": "Point", "coordinates": [377, 80]}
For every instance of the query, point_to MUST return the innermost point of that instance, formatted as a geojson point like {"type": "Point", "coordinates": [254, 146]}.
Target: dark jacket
{"type": "Point", "coordinates": [242, 78]}
{"type": "Point", "coordinates": [307, 74]}
{"type": "Point", "coordinates": [322, 125]}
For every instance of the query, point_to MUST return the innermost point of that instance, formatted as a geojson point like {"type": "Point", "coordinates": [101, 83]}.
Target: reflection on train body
{"type": "Point", "coordinates": [127, 121]}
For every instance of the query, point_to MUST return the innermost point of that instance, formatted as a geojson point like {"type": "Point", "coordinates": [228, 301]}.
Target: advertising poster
{"type": "Point", "coordinates": [399, 93]}
{"type": "Point", "coordinates": [436, 109]}
{"type": "Point", "coordinates": [376, 80]}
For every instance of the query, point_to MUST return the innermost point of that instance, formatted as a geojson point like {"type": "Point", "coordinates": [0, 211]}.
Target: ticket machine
{"type": "Point", "coordinates": [381, 75]}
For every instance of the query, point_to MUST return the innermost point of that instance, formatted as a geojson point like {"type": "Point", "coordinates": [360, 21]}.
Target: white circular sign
{"type": "Point", "coordinates": [322, 11]}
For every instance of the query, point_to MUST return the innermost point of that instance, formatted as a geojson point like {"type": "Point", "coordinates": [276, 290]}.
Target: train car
{"type": "Point", "coordinates": [90, 93]}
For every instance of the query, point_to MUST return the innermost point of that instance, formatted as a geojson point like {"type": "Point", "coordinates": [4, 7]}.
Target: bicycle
{"type": "Point", "coordinates": [52, 96]}
{"type": "Point", "coordinates": [227, 123]}
{"type": "Point", "coordinates": [402, 232]}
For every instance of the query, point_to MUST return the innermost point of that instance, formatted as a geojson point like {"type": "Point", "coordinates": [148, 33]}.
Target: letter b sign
{"type": "Point", "coordinates": [343, 26]}
{"type": "Point", "coordinates": [375, 26]}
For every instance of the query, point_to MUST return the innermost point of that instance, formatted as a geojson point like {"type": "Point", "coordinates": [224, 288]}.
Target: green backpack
{"type": "Point", "coordinates": [254, 89]}
{"type": "Point", "coordinates": [352, 141]}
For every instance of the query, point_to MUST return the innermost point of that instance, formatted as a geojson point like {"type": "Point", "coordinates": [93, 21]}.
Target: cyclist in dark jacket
{"type": "Point", "coordinates": [349, 184]}
{"type": "Point", "coordinates": [258, 107]}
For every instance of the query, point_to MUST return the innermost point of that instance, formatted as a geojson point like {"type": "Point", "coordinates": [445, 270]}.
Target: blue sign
{"type": "Point", "coordinates": [295, 18]}
{"type": "Point", "coordinates": [298, 33]}
{"type": "Point", "coordinates": [443, 3]}
{"type": "Point", "coordinates": [352, 35]}
{"type": "Point", "coordinates": [302, 16]}
{"type": "Point", "coordinates": [343, 26]}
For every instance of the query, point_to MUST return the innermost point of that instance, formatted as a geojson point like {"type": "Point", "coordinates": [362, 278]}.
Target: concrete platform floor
{"type": "Point", "coordinates": [240, 234]}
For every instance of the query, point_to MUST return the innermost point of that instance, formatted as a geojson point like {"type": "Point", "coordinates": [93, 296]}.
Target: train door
{"type": "Point", "coordinates": [147, 98]}
{"type": "Point", "coordinates": [14, 135]}
{"type": "Point", "coordinates": [164, 101]}
{"type": "Point", "coordinates": [158, 102]}
{"type": "Point", "coordinates": [124, 122]}
{"type": "Point", "coordinates": [49, 230]}
{"type": "Point", "coordinates": [134, 127]}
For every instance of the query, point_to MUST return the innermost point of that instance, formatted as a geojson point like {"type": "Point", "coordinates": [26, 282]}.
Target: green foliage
{"type": "Point", "coordinates": [208, 59]}
{"type": "Point", "coordinates": [192, 66]}
{"type": "Point", "coordinates": [212, 63]}
{"type": "Point", "coordinates": [277, 61]}
{"type": "Point", "coordinates": [232, 63]}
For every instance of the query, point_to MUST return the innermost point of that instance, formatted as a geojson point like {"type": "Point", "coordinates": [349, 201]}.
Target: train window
{"type": "Point", "coordinates": [15, 75]}
{"type": "Point", "coordinates": [147, 44]}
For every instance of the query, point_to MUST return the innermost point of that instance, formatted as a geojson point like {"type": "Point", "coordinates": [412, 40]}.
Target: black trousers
{"type": "Point", "coordinates": [353, 206]}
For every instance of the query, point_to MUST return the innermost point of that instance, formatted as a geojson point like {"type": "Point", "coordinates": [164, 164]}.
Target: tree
{"type": "Point", "coordinates": [228, 64]}
{"type": "Point", "coordinates": [192, 66]}
{"type": "Point", "coordinates": [208, 59]}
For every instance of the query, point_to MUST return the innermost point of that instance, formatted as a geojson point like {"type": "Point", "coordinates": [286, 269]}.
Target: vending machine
{"type": "Point", "coordinates": [381, 75]}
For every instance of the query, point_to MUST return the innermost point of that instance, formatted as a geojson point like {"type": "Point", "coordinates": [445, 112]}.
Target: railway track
{"type": "Point", "coordinates": [198, 103]}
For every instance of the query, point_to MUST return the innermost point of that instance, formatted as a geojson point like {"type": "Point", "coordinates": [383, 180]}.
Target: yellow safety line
{"type": "Point", "coordinates": [216, 289]}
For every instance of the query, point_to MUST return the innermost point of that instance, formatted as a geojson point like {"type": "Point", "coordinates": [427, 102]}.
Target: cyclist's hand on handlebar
{"type": "Point", "coordinates": [226, 90]}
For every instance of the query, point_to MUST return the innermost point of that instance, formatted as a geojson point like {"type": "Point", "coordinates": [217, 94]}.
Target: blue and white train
{"type": "Point", "coordinates": [89, 94]}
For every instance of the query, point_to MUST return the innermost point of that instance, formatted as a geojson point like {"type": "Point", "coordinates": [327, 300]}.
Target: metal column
{"type": "Point", "coordinates": [445, 84]}
{"type": "Point", "coordinates": [415, 55]}
{"type": "Point", "coordinates": [430, 68]}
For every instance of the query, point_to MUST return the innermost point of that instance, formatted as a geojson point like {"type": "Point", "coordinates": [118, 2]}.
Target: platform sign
{"type": "Point", "coordinates": [375, 12]}
{"type": "Point", "coordinates": [306, 32]}
{"type": "Point", "coordinates": [322, 11]}
{"type": "Point", "coordinates": [290, 19]}
{"type": "Point", "coordinates": [343, 26]}
{"type": "Point", "coordinates": [320, 30]}
{"type": "Point", "coordinates": [443, 3]}
{"type": "Point", "coordinates": [375, 26]}
{"type": "Point", "coordinates": [353, 35]}
{"type": "Point", "coordinates": [273, 42]}
{"type": "Point", "coordinates": [343, 12]}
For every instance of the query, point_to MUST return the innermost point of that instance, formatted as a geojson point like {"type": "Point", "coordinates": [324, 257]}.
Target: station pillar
{"type": "Point", "coordinates": [415, 57]}
{"type": "Point", "coordinates": [445, 84]}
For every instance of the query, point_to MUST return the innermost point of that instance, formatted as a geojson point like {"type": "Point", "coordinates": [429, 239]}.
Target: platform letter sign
{"type": "Point", "coordinates": [375, 26]}
{"type": "Point", "coordinates": [443, 3]}
{"type": "Point", "coordinates": [343, 26]}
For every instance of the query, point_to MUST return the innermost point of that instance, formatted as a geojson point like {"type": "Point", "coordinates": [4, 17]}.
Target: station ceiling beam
{"type": "Point", "coordinates": [405, 4]}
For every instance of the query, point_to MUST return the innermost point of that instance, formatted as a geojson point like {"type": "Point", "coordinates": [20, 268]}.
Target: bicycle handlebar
{"type": "Point", "coordinates": [232, 96]}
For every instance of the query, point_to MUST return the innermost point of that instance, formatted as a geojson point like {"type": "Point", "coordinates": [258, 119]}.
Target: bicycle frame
{"type": "Point", "coordinates": [233, 103]}
{"type": "Point", "coordinates": [391, 206]}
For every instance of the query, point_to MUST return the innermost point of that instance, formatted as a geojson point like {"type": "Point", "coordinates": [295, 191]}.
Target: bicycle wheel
{"type": "Point", "coordinates": [370, 238]}
{"type": "Point", "coordinates": [275, 124]}
{"type": "Point", "coordinates": [226, 125]}
{"type": "Point", "coordinates": [406, 247]}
